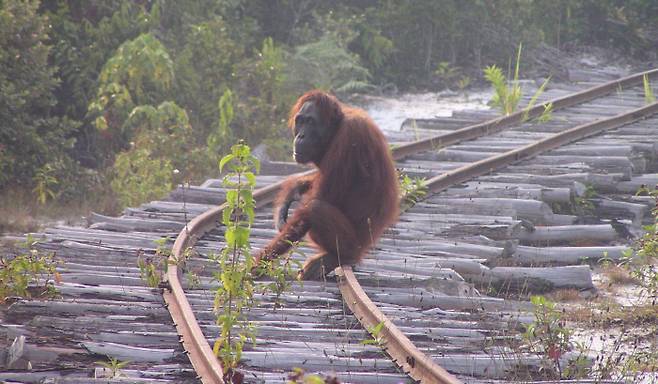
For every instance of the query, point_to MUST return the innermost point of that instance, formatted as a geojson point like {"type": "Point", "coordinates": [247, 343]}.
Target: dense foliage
{"type": "Point", "coordinates": [96, 93]}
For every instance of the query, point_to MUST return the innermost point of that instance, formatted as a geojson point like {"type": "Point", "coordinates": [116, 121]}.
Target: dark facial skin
{"type": "Point", "coordinates": [312, 135]}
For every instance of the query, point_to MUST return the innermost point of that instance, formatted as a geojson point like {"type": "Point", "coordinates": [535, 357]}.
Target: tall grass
{"type": "Point", "coordinates": [649, 97]}
{"type": "Point", "coordinates": [548, 108]}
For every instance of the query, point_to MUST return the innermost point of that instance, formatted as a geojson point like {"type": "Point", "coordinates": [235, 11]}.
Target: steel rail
{"type": "Point", "coordinates": [403, 352]}
{"type": "Point", "coordinates": [416, 364]}
{"type": "Point", "coordinates": [400, 348]}
{"type": "Point", "coordinates": [498, 124]}
{"type": "Point", "coordinates": [489, 164]}
{"type": "Point", "coordinates": [204, 361]}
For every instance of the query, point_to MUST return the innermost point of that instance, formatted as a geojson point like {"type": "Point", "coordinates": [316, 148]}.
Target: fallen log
{"type": "Point", "coordinates": [566, 255]}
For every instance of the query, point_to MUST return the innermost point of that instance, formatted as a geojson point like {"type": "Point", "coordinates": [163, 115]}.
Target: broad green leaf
{"type": "Point", "coordinates": [241, 237]}
{"type": "Point", "coordinates": [229, 235]}
{"type": "Point", "coordinates": [226, 216]}
{"type": "Point", "coordinates": [225, 160]}
{"type": "Point", "coordinates": [232, 198]}
{"type": "Point", "coordinates": [251, 179]}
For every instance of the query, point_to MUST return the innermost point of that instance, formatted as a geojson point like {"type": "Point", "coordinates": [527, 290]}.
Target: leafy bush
{"type": "Point", "coordinates": [30, 137]}
{"type": "Point", "coordinates": [138, 177]}
{"type": "Point", "coordinates": [138, 73]}
{"type": "Point", "coordinates": [57, 113]}
{"type": "Point", "coordinates": [326, 65]}
{"type": "Point", "coordinates": [217, 139]}
{"type": "Point", "coordinates": [166, 133]}
{"type": "Point", "coordinates": [163, 142]}
{"type": "Point", "coordinates": [548, 335]}
{"type": "Point", "coordinates": [263, 94]}
{"type": "Point", "coordinates": [44, 182]}
{"type": "Point", "coordinates": [31, 271]}
{"type": "Point", "coordinates": [205, 66]}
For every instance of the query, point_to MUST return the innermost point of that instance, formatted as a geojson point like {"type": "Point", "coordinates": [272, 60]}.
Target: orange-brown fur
{"type": "Point", "coordinates": [351, 199]}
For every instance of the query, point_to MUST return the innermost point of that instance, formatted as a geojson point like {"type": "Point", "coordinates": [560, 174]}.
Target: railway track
{"type": "Point", "coordinates": [493, 221]}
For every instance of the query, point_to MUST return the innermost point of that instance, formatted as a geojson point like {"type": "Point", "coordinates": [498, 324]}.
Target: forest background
{"type": "Point", "coordinates": [109, 103]}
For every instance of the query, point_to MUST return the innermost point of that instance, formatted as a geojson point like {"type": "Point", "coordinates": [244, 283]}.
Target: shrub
{"type": "Point", "coordinates": [30, 137]}
{"type": "Point", "coordinates": [138, 177]}
{"type": "Point", "coordinates": [30, 272]}
{"type": "Point", "coordinates": [137, 74]}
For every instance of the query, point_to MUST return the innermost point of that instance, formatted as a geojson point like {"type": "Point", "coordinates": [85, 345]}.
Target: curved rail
{"type": "Point", "coordinates": [405, 354]}
{"type": "Point", "coordinates": [203, 359]}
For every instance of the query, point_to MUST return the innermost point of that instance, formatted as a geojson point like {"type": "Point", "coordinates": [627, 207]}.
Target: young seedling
{"type": "Point", "coordinates": [114, 366]}
{"type": "Point", "coordinates": [508, 94]}
{"type": "Point", "coordinates": [412, 190]}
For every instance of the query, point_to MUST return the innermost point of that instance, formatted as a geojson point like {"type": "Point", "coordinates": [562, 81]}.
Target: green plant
{"type": "Point", "coordinates": [583, 204]}
{"type": "Point", "coordinates": [162, 141]}
{"type": "Point", "coordinates": [375, 332]}
{"type": "Point", "coordinates": [222, 135]}
{"type": "Point", "coordinates": [548, 108]}
{"type": "Point", "coordinates": [150, 271]}
{"type": "Point", "coordinates": [581, 366]}
{"type": "Point", "coordinates": [153, 268]}
{"type": "Point", "coordinates": [236, 270]}
{"type": "Point", "coordinates": [138, 177]}
{"type": "Point", "coordinates": [298, 376]}
{"type": "Point", "coordinates": [641, 366]}
{"type": "Point", "coordinates": [31, 132]}
{"type": "Point", "coordinates": [44, 182]}
{"type": "Point", "coordinates": [506, 96]}
{"type": "Point", "coordinates": [236, 285]}
{"type": "Point", "coordinates": [114, 365]}
{"type": "Point", "coordinates": [412, 189]}
{"type": "Point", "coordinates": [193, 280]}
{"type": "Point", "coordinates": [464, 82]}
{"type": "Point", "coordinates": [135, 75]}
{"type": "Point", "coordinates": [326, 64]}
{"type": "Point", "coordinates": [265, 88]}
{"type": "Point", "coordinates": [649, 97]}
{"type": "Point", "coordinates": [547, 113]}
{"type": "Point", "coordinates": [32, 271]}
{"type": "Point", "coordinates": [447, 73]}
{"type": "Point", "coordinates": [375, 49]}
{"type": "Point", "coordinates": [281, 271]}
{"type": "Point", "coordinates": [547, 334]}
{"type": "Point", "coordinates": [165, 131]}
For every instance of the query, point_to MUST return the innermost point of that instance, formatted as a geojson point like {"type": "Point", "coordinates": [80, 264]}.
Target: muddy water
{"type": "Point", "coordinates": [390, 111]}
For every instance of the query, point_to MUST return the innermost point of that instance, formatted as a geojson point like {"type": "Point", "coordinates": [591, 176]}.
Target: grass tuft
{"type": "Point", "coordinates": [649, 97]}
{"type": "Point", "coordinates": [618, 275]}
